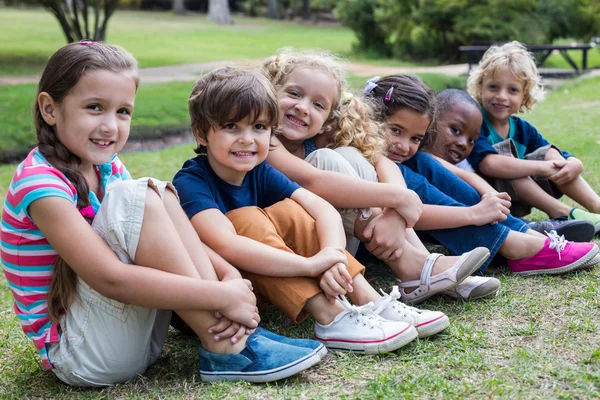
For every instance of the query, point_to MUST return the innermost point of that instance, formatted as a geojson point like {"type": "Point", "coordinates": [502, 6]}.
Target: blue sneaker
{"type": "Point", "coordinates": [262, 360]}
{"type": "Point", "coordinates": [313, 345]}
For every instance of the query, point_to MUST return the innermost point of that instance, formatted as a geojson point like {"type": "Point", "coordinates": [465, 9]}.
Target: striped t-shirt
{"type": "Point", "coordinates": [27, 257]}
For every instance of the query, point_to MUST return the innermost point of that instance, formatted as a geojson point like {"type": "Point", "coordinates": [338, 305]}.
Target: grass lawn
{"type": "Point", "coordinates": [182, 39]}
{"type": "Point", "coordinates": [539, 339]}
{"type": "Point", "coordinates": [159, 108]}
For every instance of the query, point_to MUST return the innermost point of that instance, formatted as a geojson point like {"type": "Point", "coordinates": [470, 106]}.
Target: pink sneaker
{"type": "Point", "coordinates": [557, 256]}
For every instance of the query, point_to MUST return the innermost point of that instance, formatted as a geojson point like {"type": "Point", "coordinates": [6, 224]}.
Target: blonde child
{"type": "Point", "coordinates": [288, 241]}
{"type": "Point", "coordinates": [86, 295]}
{"type": "Point", "coordinates": [315, 111]}
{"type": "Point", "coordinates": [407, 109]}
{"type": "Point", "coordinates": [535, 173]}
{"type": "Point", "coordinates": [451, 139]}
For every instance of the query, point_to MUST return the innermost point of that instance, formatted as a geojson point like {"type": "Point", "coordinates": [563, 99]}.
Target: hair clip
{"type": "Point", "coordinates": [388, 95]}
{"type": "Point", "coordinates": [86, 42]}
{"type": "Point", "coordinates": [346, 97]}
{"type": "Point", "coordinates": [370, 85]}
{"type": "Point", "coordinates": [88, 212]}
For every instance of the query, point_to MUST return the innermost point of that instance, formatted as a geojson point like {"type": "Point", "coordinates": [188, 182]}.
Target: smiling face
{"type": "Point", "coordinates": [305, 102]}
{"type": "Point", "coordinates": [236, 148]}
{"type": "Point", "coordinates": [405, 129]}
{"type": "Point", "coordinates": [501, 95]}
{"type": "Point", "coordinates": [457, 130]}
{"type": "Point", "coordinates": [93, 120]}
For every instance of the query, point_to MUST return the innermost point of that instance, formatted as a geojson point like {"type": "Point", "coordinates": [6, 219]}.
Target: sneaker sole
{"type": "Point", "coordinates": [432, 327]}
{"type": "Point", "coordinates": [582, 231]}
{"type": "Point", "coordinates": [482, 258]}
{"type": "Point", "coordinates": [271, 375]}
{"type": "Point", "coordinates": [484, 291]}
{"type": "Point", "coordinates": [595, 260]}
{"type": "Point", "coordinates": [581, 263]}
{"type": "Point", "coordinates": [379, 346]}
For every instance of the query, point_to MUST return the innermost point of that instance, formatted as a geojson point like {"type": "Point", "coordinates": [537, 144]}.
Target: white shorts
{"type": "Point", "coordinates": [104, 341]}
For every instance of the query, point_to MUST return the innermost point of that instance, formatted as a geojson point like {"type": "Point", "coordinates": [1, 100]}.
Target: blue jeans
{"type": "Point", "coordinates": [438, 186]}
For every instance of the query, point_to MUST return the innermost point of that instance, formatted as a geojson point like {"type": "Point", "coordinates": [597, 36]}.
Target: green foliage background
{"type": "Point", "coordinates": [433, 29]}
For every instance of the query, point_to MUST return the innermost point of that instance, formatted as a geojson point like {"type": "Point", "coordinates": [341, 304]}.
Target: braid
{"type": "Point", "coordinates": [64, 282]}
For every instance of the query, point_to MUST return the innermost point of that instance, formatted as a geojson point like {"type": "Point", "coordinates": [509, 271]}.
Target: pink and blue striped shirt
{"type": "Point", "coordinates": [27, 257]}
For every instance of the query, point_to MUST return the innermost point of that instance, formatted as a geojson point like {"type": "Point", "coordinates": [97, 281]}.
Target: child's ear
{"type": "Point", "coordinates": [48, 108]}
{"type": "Point", "coordinates": [200, 137]}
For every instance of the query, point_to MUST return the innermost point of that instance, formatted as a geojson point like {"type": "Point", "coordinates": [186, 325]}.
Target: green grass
{"type": "Point", "coordinates": [30, 36]}
{"type": "Point", "coordinates": [159, 107]}
{"type": "Point", "coordinates": [539, 339]}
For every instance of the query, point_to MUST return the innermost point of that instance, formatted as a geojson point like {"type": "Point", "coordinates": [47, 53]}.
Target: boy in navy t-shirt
{"type": "Point", "coordinates": [288, 241]}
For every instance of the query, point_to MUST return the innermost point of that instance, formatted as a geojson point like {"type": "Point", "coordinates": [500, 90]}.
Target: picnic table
{"type": "Point", "coordinates": [474, 53]}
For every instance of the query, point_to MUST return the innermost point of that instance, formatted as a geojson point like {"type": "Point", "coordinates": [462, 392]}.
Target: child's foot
{"type": "Point", "coordinates": [556, 257]}
{"type": "Point", "coordinates": [474, 287]}
{"type": "Point", "coordinates": [307, 343]}
{"type": "Point", "coordinates": [262, 360]}
{"type": "Point", "coordinates": [430, 285]}
{"type": "Point", "coordinates": [577, 213]}
{"type": "Point", "coordinates": [427, 322]}
{"type": "Point", "coordinates": [360, 329]}
{"type": "Point", "coordinates": [579, 230]}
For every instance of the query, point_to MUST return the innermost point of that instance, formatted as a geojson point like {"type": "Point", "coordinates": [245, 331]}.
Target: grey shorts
{"type": "Point", "coordinates": [103, 341]}
{"type": "Point", "coordinates": [518, 208]}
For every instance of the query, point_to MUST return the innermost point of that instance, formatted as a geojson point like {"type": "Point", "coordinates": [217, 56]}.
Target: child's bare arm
{"type": "Point", "coordinates": [388, 172]}
{"type": "Point", "coordinates": [344, 191]}
{"type": "Point", "coordinates": [93, 261]}
{"type": "Point", "coordinates": [328, 221]}
{"type": "Point", "coordinates": [250, 255]}
{"type": "Point", "coordinates": [491, 209]}
{"type": "Point", "coordinates": [499, 166]}
{"type": "Point", "coordinates": [224, 270]}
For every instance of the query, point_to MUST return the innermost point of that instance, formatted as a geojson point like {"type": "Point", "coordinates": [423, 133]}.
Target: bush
{"type": "Point", "coordinates": [434, 29]}
{"type": "Point", "coordinates": [359, 15]}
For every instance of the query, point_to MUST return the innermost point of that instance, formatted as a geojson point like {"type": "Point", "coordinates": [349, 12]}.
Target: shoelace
{"type": "Point", "coordinates": [557, 242]}
{"type": "Point", "coordinates": [393, 296]}
{"type": "Point", "coordinates": [364, 315]}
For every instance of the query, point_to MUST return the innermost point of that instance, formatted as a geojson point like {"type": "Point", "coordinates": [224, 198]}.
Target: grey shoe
{"type": "Point", "coordinates": [579, 230]}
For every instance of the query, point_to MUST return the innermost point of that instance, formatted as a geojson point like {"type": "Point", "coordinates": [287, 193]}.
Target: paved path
{"type": "Point", "coordinates": [190, 72]}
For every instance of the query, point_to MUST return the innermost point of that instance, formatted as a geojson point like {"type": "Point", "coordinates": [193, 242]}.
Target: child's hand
{"type": "Point", "coordinates": [336, 281]}
{"type": "Point", "coordinates": [385, 235]}
{"type": "Point", "coordinates": [551, 167]}
{"type": "Point", "coordinates": [411, 208]}
{"type": "Point", "coordinates": [241, 303]}
{"type": "Point", "coordinates": [571, 170]}
{"type": "Point", "coordinates": [226, 328]}
{"type": "Point", "coordinates": [492, 209]}
{"type": "Point", "coordinates": [325, 259]}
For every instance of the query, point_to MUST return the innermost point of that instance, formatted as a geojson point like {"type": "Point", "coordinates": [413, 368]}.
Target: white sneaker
{"type": "Point", "coordinates": [360, 329]}
{"type": "Point", "coordinates": [474, 287]}
{"type": "Point", "coordinates": [426, 322]}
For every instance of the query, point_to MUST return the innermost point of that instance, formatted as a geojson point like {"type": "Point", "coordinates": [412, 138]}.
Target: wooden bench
{"type": "Point", "coordinates": [475, 53]}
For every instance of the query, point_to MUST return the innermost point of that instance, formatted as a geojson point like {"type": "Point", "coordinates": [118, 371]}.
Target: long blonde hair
{"type": "Point", "coordinates": [519, 62]}
{"type": "Point", "coordinates": [351, 121]}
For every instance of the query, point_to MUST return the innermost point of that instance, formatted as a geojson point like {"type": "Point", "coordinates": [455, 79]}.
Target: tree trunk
{"type": "Point", "coordinates": [179, 6]}
{"type": "Point", "coordinates": [273, 9]}
{"type": "Point", "coordinates": [218, 11]}
{"type": "Point", "coordinates": [75, 19]}
{"type": "Point", "coordinates": [306, 10]}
